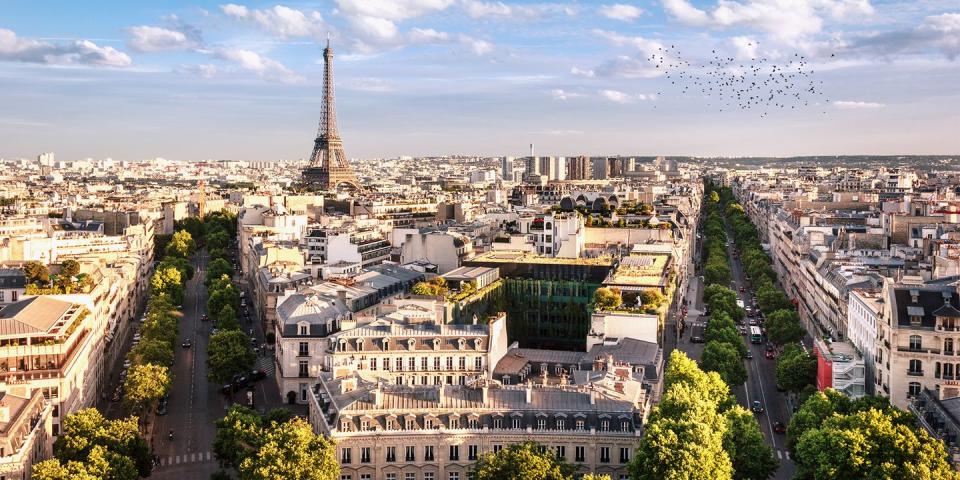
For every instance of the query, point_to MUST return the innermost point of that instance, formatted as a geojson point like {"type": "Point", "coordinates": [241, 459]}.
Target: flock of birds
{"type": "Point", "coordinates": [758, 84]}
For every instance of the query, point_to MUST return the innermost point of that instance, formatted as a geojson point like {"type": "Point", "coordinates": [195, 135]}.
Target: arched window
{"type": "Point", "coordinates": [916, 367]}
{"type": "Point", "coordinates": [915, 342]}
{"type": "Point", "coordinates": [548, 226]}
{"type": "Point", "coordinates": [914, 389]}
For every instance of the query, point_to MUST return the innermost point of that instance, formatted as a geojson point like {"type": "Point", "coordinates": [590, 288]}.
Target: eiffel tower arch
{"type": "Point", "coordinates": [328, 167]}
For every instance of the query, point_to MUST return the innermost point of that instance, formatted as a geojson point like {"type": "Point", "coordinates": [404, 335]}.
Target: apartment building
{"type": "Point", "coordinates": [13, 285]}
{"type": "Point", "coordinates": [24, 427]}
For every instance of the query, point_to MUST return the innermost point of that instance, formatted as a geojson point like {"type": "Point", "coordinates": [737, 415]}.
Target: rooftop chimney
{"type": "Point", "coordinates": [486, 393]}
{"type": "Point", "coordinates": [529, 392]}
{"type": "Point", "coordinates": [378, 395]}
{"type": "Point", "coordinates": [342, 295]}
{"type": "Point", "coordinates": [441, 395]}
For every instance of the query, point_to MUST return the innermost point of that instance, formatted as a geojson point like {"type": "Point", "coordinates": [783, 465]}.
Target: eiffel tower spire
{"type": "Point", "coordinates": [328, 164]}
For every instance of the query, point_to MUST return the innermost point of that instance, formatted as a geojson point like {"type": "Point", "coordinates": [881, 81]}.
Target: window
{"type": "Point", "coordinates": [436, 363]}
{"type": "Point", "coordinates": [364, 476]}
{"type": "Point", "coordinates": [364, 454]}
{"type": "Point", "coordinates": [411, 455]}
{"type": "Point", "coordinates": [915, 342]}
{"type": "Point", "coordinates": [478, 363]}
{"type": "Point", "coordinates": [449, 363]}
{"type": "Point", "coordinates": [473, 423]}
{"type": "Point", "coordinates": [463, 363]}
{"type": "Point", "coordinates": [624, 455]}
{"type": "Point", "coordinates": [304, 330]}
{"type": "Point", "coordinates": [346, 477]}
{"type": "Point", "coordinates": [428, 453]}
{"type": "Point", "coordinates": [412, 363]}
{"type": "Point", "coordinates": [580, 453]}
{"type": "Point", "coordinates": [541, 424]}
{"type": "Point", "coordinates": [304, 349]}
{"type": "Point", "coordinates": [948, 371]}
{"type": "Point", "coordinates": [428, 475]}
{"type": "Point", "coordinates": [516, 423]}
{"type": "Point", "coordinates": [304, 368]}
{"type": "Point", "coordinates": [411, 424]}
{"type": "Point", "coordinates": [580, 424]}
{"type": "Point", "coordinates": [454, 452]}
{"type": "Point", "coordinates": [497, 423]}
{"type": "Point", "coordinates": [913, 389]}
{"type": "Point", "coordinates": [364, 425]}
{"type": "Point", "coordinates": [948, 346]}
{"type": "Point", "coordinates": [605, 426]}
{"type": "Point", "coordinates": [399, 364]}
{"type": "Point", "coordinates": [625, 425]}
{"type": "Point", "coordinates": [605, 454]}
{"type": "Point", "coordinates": [391, 454]}
{"type": "Point", "coordinates": [916, 367]}
{"type": "Point", "coordinates": [454, 476]}
{"type": "Point", "coordinates": [472, 452]}
{"type": "Point", "coordinates": [409, 476]}
{"type": "Point", "coordinates": [497, 448]}
{"type": "Point", "coordinates": [373, 364]}
{"type": "Point", "coordinates": [454, 423]}
{"type": "Point", "coordinates": [561, 424]}
{"type": "Point", "coordinates": [391, 476]}
{"type": "Point", "coordinates": [561, 452]}
{"type": "Point", "coordinates": [423, 363]}
{"type": "Point", "coordinates": [345, 455]}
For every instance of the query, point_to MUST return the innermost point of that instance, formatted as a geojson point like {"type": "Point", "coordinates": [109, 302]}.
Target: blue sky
{"type": "Point", "coordinates": [198, 80]}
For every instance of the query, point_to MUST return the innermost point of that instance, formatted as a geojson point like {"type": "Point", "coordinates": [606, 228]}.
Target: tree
{"type": "Point", "coordinates": [770, 298]}
{"type": "Point", "coordinates": [97, 466]}
{"type": "Point", "coordinates": [522, 461]}
{"type": "Point", "coordinates": [122, 454]}
{"type": "Point", "coordinates": [783, 327]}
{"type": "Point", "coordinates": [276, 446]}
{"type": "Point", "coordinates": [146, 383]}
{"type": "Point", "coordinates": [70, 268]}
{"type": "Point", "coordinates": [169, 281]}
{"type": "Point", "coordinates": [752, 458]}
{"type": "Point", "coordinates": [607, 298]}
{"type": "Point", "coordinates": [37, 273]}
{"type": "Point", "coordinates": [181, 264]}
{"type": "Point", "coordinates": [434, 286]}
{"type": "Point", "coordinates": [217, 269]}
{"type": "Point", "coordinates": [222, 297]}
{"type": "Point", "coordinates": [681, 449]}
{"type": "Point", "coordinates": [652, 297]}
{"type": "Point", "coordinates": [218, 238]}
{"type": "Point", "coordinates": [869, 445]}
{"type": "Point", "coordinates": [796, 369]}
{"type": "Point", "coordinates": [724, 359]}
{"type": "Point", "coordinates": [681, 369]}
{"type": "Point", "coordinates": [227, 319]}
{"type": "Point", "coordinates": [181, 245]}
{"type": "Point", "coordinates": [713, 197]}
{"type": "Point", "coordinates": [228, 354]}
{"type": "Point", "coordinates": [595, 476]}
{"type": "Point", "coordinates": [717, 273]}
{"type": "Point", "coordinates": [157, 351]}
{"type": "Point", "coordinates": [727, 335]}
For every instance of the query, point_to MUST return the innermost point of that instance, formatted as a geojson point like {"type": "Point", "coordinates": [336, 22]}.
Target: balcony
{"type": "Point", "coordinates": [934, 351]}
{"type": "Point", "coordinates": [914, 373]}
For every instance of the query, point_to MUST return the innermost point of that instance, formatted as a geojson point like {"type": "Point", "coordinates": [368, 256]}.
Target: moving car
{"type": "Point", "coordinates": [779, 428]}
{"type": "Point", "coordinates": [756, 407]}
{"type": "Point", "coordinates": [749, 355]}
{"type": "Point", "coordinates": [696, 339]}
{"type": "Point", "coordinates": [770, 354]}
{"type": "Point", "coordinates": [257, 375]}
{"type": "Point", "coordinates": [204, 317]}
{"type": "Point", "coordinates": [186, 343]}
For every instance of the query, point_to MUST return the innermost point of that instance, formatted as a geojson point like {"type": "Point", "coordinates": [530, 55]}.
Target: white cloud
{"type": "Point", "coordinates": [428, 35]}
{"type": "Point", "coordinates": [279, 20]}
{"type": "Point", "coordinates": [563, 95]}
{"type": "Point", "coordinates": [477, 46]}
{"type": "Point", "coordinates": [744, 47]}
{"type": "Point", "coordinates": [617, 96]}
{"type": "Point", "coordinates": [77, 52]}
{"type": "Point", "coordinates": [582, 73]}
{"type": "Point", "coordinates": [937, 32]}
{"type": "Point", "coordinates": [146, 38]}
{"type": "Point", "coordinates": [264, 67]}
{"type": "Point", "coordinates": [503, 11]}
{"type": "Point", "coordinates": [622, 12]}
{"type": "Point", "coordinates": [854, 105]}
{"type": "Point", "coordinates": [630, 66]}
{"type": "Point", "coordinates": [205, 70]}
{"type": "Point", "coordinates": [787, 21]}
{"type": "Point", "coordinates": [644, 45]}
{"type": "Point", "coordinates": [946, 28]}
{"type": "Point", "coordinates": [393, 10]}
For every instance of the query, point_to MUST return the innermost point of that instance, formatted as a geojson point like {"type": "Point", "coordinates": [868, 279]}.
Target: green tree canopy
{"type": "Point", "coordinates": [70, 268]}
{"type": "Point", "coordinates": [724, 359]}
{"type": "Point", "coordinates": [146, 383]}
{"type": "Point", "coordinates": [652, 297]}
{"type": "Point", "coordinates": [783, 327]}
{"type": "Point", "coordinates": [168, 280]}
{"type": "Point", "coordinates": [122, 452]}
{"type": "Point", "coordinates": [271, 447]}
{"type": "Point", "coordinates": [607, 298]}
{"type": "Point", "coordinates": [681, 449]}
{"type": "Point", "coordinates": [181, 264]}
{"type": "Point", "coordinates": [227, 319]}
{"type": "Point", "coordinates": [752, 458]}
{"type": "Point", "coordinates": [36, 273]}
{"type": "Point", "coordinates": [217, 269]}
{"type": "Point", "coordinates": [727, 335]}
{"type": "Point", "coordinates": [796, 369]}
{"type": "Point", "coordinates": [522, 461]}
{"type": "Point", "coordinates": [218, 238]}
{"type": "Point", "coordinates": [228, 354]}
{"type": "Point", "coordinates": [157, 351]}
{"type": "Point", "coordinates": [713, 196]}
{"type": "Point", "coordinates": [181, 245]}
{"type": "Point", "coordinates": [717, 273]}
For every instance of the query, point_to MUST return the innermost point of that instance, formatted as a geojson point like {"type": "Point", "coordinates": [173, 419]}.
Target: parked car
{"type": "Point", "coordinates": [779, 428]}
{"type": "Point", "coordinates": [240, 381]}
{"type": "Point", "coordinates": [204, 317]}
{"type": "Point", "coordinates": [749, 355]}
{"type": "Point", "coordinates": [756, 407]}
{"type": "Point", "coordinates": [742, 289]}
{"type": "Point", "coordinates": [186, 343]}
{"type": "Point", "coordinates": [770, 354]}
{"type": "Point", "coordinates": [696, 339]}
{"type": "Point", "coordinates": [257, 375]}
{"type": "Point", "coordinates": [163, 405]}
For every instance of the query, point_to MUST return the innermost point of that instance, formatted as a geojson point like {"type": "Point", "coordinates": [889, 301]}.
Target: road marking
{"type": "Point", "coordinates": [779, 455]}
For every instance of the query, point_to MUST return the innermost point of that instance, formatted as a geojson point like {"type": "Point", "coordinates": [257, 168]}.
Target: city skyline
{"type": "Point", "coordinates": [198, 80]}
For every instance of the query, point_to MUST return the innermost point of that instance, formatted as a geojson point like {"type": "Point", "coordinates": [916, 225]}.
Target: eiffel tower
{"type": "Point", "coordinates": [328, 164]}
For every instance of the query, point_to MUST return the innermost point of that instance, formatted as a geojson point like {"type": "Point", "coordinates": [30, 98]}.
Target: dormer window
{"type": "Point", "coordinates": [303, 328]}
{"type": "Point", "coordinates": [386, 344]}
{"type": "Point", "coordinates": [914, 296]}
{"type": "Point", "coordinates": [461, 343]}
{"type": "Point", "coordinates": [478, 344]}
{"type": "Point", "coordinates": [436, 344]}
{"type": "Point", "coordinates": [412, 343]}
{"type": "Point", "coordinates": [359, 344]}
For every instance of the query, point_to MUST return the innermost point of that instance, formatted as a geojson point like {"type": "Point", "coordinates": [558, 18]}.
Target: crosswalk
{"type": "Point", "coordinates": [783, 455]}
{"type": "Point", "coordinates": [186, 458]}
{"type": "Point", "coordinates": [266, 364]}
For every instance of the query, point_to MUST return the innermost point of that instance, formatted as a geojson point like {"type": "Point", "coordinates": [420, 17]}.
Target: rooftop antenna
{"type": "Point", "coordinates": [328, 39]}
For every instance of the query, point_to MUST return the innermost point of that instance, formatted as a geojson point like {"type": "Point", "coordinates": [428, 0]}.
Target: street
{"type": "Point", "coordinates": [761, 372]}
